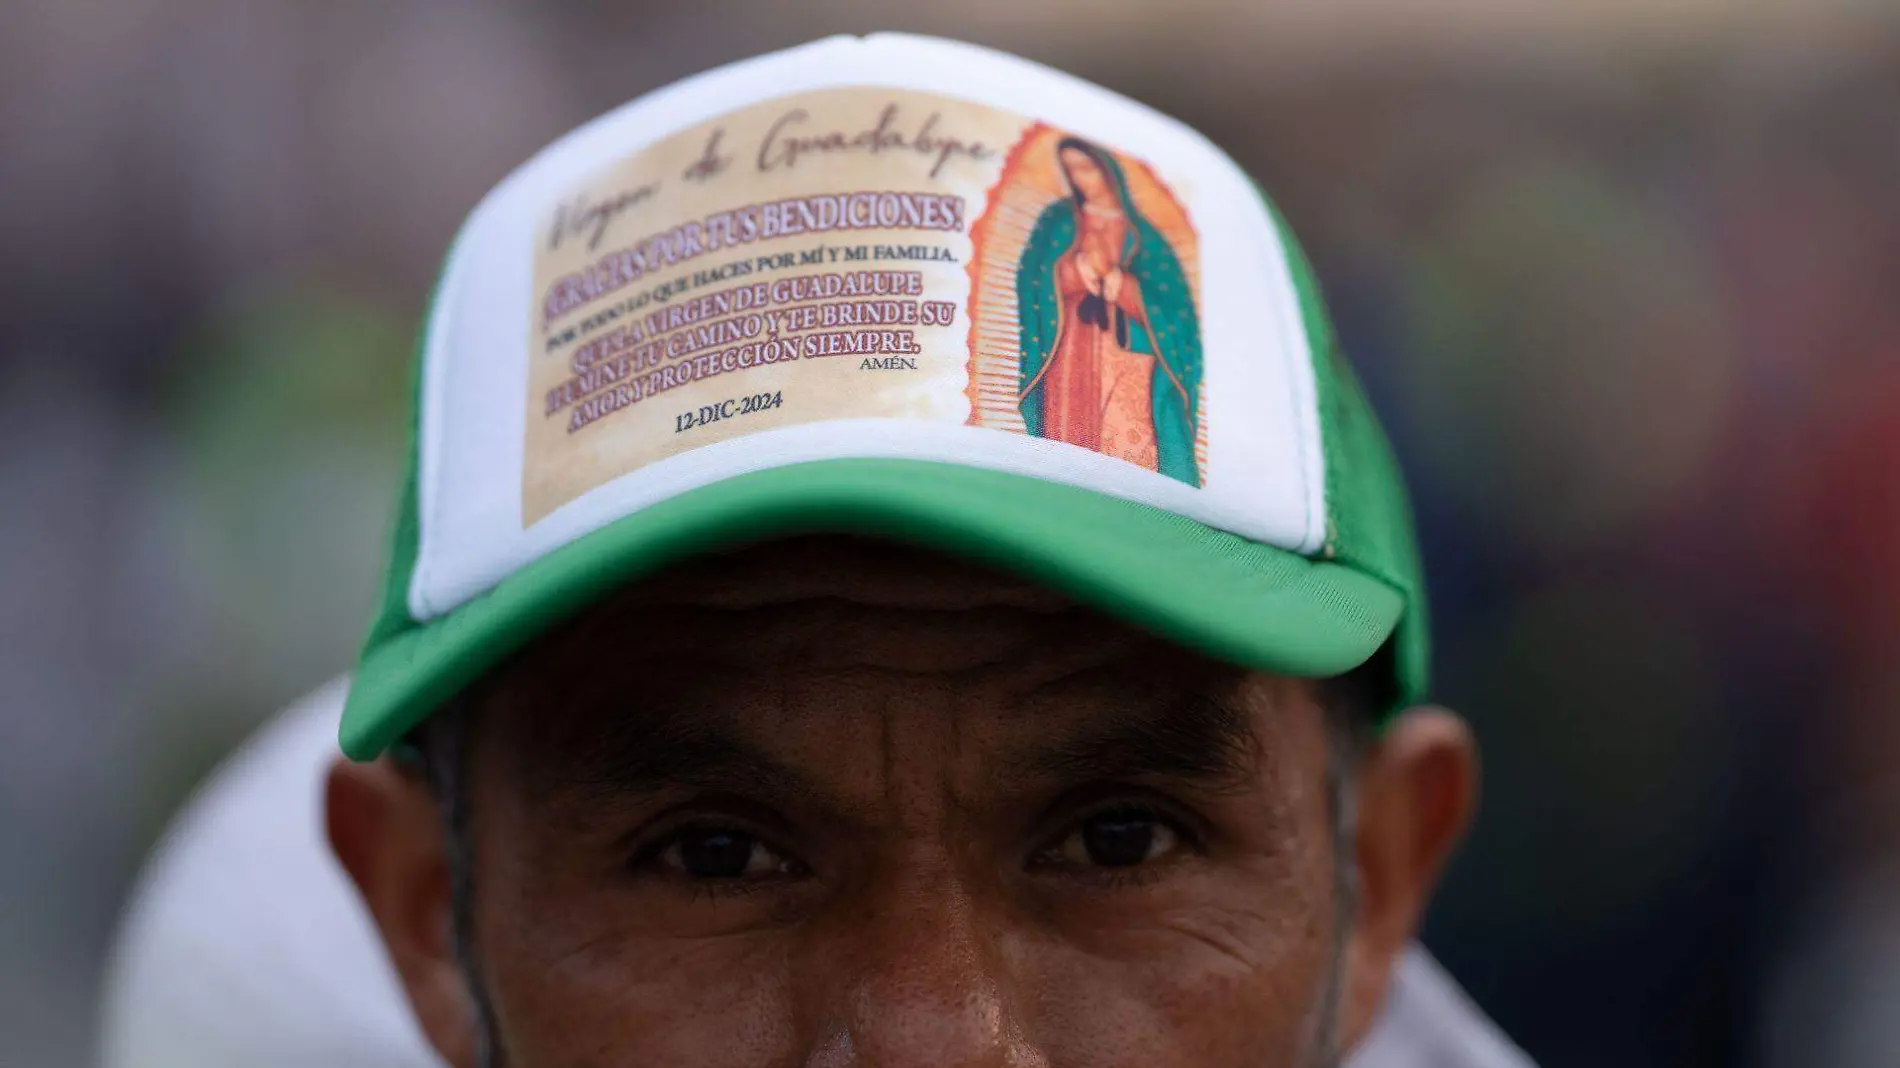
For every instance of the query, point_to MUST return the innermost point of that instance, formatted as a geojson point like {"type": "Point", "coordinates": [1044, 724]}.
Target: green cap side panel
{"type": "Point", "coordinates": [405, 536]}
{"type": "Point", "coordinates": [392, 611]}
{"type": "Point", "coordinates": [1369, 515]}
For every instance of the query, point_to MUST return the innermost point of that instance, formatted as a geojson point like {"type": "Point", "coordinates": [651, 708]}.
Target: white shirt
{"type": "Point", "coordinates": [246, 946]}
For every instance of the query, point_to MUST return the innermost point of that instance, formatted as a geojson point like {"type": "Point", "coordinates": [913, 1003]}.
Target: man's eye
{"type": "Point", "coordinates": [722, 853]}
{"type": "Point", "coordinates": [1120, 838]}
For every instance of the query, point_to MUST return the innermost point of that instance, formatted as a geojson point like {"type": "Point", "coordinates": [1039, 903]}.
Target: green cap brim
{"type": "Point", "coordinates": [1227, 597]}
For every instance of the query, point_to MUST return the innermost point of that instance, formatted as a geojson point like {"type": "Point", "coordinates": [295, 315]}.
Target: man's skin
{"type": "Point", "coordinates": [835, 803]}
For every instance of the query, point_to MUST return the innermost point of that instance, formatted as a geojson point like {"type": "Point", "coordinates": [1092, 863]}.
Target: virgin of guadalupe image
{"type": "Point", "coordinates": [1111, 347]}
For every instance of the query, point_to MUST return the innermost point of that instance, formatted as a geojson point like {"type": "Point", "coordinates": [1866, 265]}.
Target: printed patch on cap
{"type": "Point", "coordinates": [863, 253]}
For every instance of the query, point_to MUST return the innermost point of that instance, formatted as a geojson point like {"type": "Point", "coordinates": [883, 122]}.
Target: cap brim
{"type": "Point", "coordinates": [1227, 597]}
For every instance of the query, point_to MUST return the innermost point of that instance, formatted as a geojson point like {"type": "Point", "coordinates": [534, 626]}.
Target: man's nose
{"type": "Point", "coordinates": [926, 987]}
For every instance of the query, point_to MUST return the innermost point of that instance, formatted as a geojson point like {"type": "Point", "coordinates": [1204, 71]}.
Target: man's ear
{"type": "Point", "coordinates": [1415, 790]}
{"type": "Point", "coordinates": [387, 831]}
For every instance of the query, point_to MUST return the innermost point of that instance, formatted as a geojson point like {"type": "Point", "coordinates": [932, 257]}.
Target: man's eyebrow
{"type": "Point", "coordinates": [641, 755]}
{"type": "Point", "coordinates": [1198, 739]}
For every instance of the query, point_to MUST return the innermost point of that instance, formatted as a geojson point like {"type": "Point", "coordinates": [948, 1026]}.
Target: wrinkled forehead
{"type": "Point", "coordinates": [810, 607]}
{"type": "Point", "coordinates": [800, 647]}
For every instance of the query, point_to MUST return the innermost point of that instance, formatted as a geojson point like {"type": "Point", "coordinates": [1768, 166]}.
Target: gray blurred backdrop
{"type": "Point", "coordinates": [1623, 278]}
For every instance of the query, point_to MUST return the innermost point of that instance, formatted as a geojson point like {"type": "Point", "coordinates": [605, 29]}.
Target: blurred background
{"type": "Point", "coordinates": [1623, 278]}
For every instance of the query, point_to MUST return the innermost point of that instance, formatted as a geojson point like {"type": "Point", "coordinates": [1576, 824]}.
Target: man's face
{"type": "Point", "coordinates": [835, 804]}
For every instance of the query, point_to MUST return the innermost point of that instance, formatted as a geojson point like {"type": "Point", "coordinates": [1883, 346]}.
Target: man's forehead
{"type": "Point", "coordinates": [777, 647]}
{"type": "Point", "coordinates": [808, 730]}
{"type": "Point", "coordinates": [818, 603]}
{"type": "Point", "coordinates": [718, 625]}
{"type": "Point", "coordinates": [1047, 703]}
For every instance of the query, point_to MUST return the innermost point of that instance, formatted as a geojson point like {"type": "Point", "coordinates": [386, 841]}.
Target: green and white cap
{"type": "Point", "coordinates": [898, 287]}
